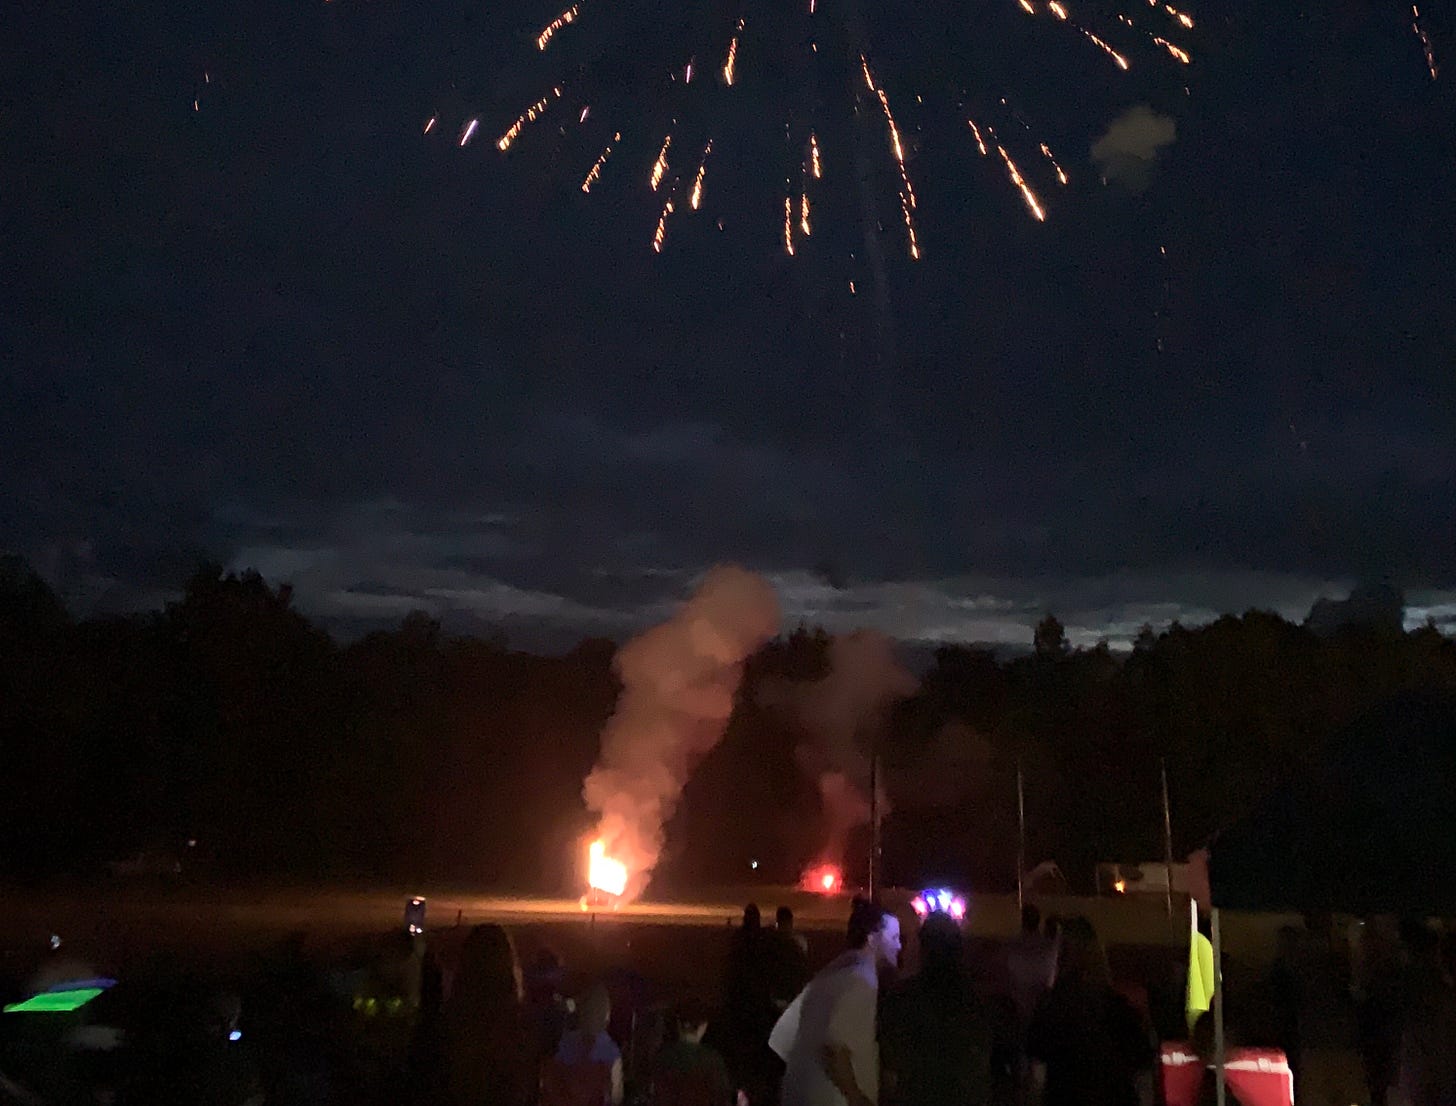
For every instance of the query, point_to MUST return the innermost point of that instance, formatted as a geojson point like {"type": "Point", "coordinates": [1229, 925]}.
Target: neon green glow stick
{"type": "Point", "coordinates": [54, 1002]}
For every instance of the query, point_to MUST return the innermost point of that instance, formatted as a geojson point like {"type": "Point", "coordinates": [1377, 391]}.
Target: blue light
{"type": "Point", "coordinates": [939, 900]}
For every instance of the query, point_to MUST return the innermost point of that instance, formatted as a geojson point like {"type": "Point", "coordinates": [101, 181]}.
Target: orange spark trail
{"type": "Point", "coordinates": [1181, 55]}
{"type": "Point", "coordinates": [1106, 49]}
{"type": "Point", "coordinates": [697, 198]}
{"type": "Point", "coordinates": [660, 235]}
{"type": "Point", "coordinates": [1426, 47]}
{"type": "Point", "coordinates": [789, 225]}
{"type": "Point", "coordinates": [907, 190]}
{"type": "Point", "coordinates": [980, 142]}
{"type": "Point", "coordinates": [814, 155]}
{"type": "Point", "coordinates": [804, 214]}
{"type": "Point", "coordinates": [595, 173]}
{"type": "Point", "coordinates": [730, 65]}
{"type": "Point", "coordinates": [530, 115]}
{"type": "Point", "coordinates": [1060, 11]}
{"type": "Point", "coordinates": [549, 31]}
{"type": "Point", "coordinates": [1182, 17]}
{"type": "Point", "coordinates": [1026, 193]}
{"type": "Point", "coordinates": [1047, 151]}
{"type": "Point", "coordinates": [659, 167]}
{"type": "Point", "coordinates": [1026, 7]}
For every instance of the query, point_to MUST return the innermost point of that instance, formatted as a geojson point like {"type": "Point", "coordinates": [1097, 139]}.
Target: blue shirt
{"type": "Point", "coordinates": [575, 1049]}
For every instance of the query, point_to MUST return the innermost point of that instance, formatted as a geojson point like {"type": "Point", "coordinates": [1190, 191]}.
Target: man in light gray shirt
{"type": "Point", "coordinates": [827, 1035]}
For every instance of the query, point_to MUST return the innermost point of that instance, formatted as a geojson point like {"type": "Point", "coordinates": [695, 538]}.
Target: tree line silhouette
{"type": "Point", "coordinates": [229, 720]}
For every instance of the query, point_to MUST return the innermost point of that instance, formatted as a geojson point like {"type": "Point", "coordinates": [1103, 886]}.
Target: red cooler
{"type": "Point", "coordinates": [1255, 1076]}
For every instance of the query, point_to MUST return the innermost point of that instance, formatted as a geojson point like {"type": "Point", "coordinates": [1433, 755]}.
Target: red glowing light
{"type": "Point", "coordinates": [826, 879]}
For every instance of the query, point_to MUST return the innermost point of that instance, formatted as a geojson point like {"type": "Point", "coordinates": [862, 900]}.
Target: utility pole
{"type": "Point", "coordinates": [1167, 839]}
{"type": "Point", "coordinates": [874, 821]}
{"type": "Point", "coordinates": [1020, 838]}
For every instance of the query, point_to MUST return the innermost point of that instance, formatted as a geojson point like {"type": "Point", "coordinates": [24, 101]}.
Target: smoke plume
{"type": "Point", "coordinates": [1129, 150]}
{"type": "Point", "coordinates": [679, 681]}
{"type": "Point", "coordinates": [844, 713]}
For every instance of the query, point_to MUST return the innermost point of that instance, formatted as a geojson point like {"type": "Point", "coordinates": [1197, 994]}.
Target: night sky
{"type": "Point", "coordinates": [288, 330]}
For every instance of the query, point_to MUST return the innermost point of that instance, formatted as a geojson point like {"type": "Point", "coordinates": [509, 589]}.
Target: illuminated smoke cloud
{"type": "Point", "coordinates": [1129, 150]}
{"type": "Point", "coordinates": [679, 681]}
{"type": "Point", "coordinates": [844, 712]}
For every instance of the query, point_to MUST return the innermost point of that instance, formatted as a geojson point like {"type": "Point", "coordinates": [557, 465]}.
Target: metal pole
{"type": "Point", "coordinates": [1020, 838]}
{"type": "Point", "coordinates": [631, 1064]}
{"type": "Point", "coordinates": [1167, 840]}
{"type": "Point", "coordinates": [874, 820]}
{"type": "Point", "coordinates": [1220, 1078]}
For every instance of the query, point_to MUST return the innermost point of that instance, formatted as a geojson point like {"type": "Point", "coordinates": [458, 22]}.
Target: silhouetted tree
{"type": "Point", "coordinates": [1049, 640]}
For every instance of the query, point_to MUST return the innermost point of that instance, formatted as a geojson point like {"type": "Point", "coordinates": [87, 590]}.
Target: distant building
{"type": "Point", "coordinates": [1374, 606]}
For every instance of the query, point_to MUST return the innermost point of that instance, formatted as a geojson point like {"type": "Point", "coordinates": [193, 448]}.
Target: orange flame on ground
{"type": "Point", "coordinates": [826, 879]}
{"type": "Point", "coordinates": [605, 873]}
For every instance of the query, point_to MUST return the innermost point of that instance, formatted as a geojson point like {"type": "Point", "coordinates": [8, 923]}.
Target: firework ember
{"type": "Point", "coordinates": [659, 236]}
{"type": "Point", "coordinates": [730, 64]}
{"type": "Point", "coordinates": [549, 31]}
{"type": "Point", "coordinates": [697, 197]}
{"type": "Point", "coordinates": [694, 119]}
{"type": "Point", "coordinates": [1117, 59]}
{"type": "Point", "coordinates": [1047, 153]}
{"type": "Point", "coordinates": [897, 149]}
{"type": "Point", "coordinates": [659, 167]}
{"type": "Point", "coordinates": [1182, 17]}
{"type": "Point", "coordinates": [594, 174]}
{"type": "Point", "coordinates": [980, 142]}
{"type": "Point", "coordinates": [1032, 204]}
{"type": "Point", "coordinates": [1175, 51]}
{"type": "Point", "coordinates": [530, 115]}
{"type": "Point", "coordinates": [1425, 39]}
